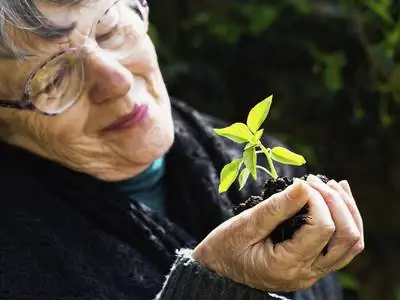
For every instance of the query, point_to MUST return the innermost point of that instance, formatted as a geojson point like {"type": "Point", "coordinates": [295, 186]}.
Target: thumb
{"type": "Point", "coordinates": [268, 214]}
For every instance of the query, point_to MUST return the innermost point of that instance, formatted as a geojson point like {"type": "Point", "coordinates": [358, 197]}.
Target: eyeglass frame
{"type": "Point", "coordinates": [24, 103]}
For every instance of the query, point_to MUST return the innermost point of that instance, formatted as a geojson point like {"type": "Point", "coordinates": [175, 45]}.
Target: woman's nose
{"type": "Point", "coordinates": [106, 79]}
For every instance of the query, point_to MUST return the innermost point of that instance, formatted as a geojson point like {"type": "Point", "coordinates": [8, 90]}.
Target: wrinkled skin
{"type": "Point", "coordinates": [238, 249]}
{"type": "Point", "coordinates": [241, 250]}
{"type": "Point", "coordinates": [75, 138]}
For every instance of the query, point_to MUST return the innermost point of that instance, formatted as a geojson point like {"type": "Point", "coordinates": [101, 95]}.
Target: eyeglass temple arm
{"type": "Point", "coordinates": [16, 104]}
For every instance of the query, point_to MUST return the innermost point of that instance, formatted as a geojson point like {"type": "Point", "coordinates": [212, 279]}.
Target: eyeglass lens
{"type": "Point", "coordinates": [59, 82]}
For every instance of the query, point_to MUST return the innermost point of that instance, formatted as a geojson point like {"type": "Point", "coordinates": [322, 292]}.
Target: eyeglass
{"type": "Point", "coordinates": [55, 85]}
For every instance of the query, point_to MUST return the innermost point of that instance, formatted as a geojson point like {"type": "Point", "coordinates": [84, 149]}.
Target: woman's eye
{"type": "Point", "coordinates": [58, 78]}
{"type": "Point", "coordinates": [108, 35]}
{"type": "Point", "coordinates": [107, 24]}
{"type": "Point", "coordinates": [139, 12]}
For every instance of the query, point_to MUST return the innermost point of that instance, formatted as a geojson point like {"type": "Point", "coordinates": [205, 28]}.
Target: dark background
{"type": "Point", "coordinates": [333, 68]}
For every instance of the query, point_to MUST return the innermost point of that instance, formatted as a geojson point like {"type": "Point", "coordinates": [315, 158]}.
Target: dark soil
{"type": "Point", "coordinates": [287, 229]}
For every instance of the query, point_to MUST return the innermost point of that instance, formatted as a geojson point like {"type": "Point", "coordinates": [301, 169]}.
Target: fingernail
{"type": "Point", "coordinates": [296, 189]}
{"type": "Point", "coordinates": [346, 183]}
{"type": "Point", "coordinates": [332, 182]}
{"type": "Point", "coordinates": [346, 186]}
{"type": "Point", "coordinates": [313, 179]}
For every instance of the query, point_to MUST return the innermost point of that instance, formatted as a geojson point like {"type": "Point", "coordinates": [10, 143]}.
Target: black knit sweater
{"type": "Point", "coordinates": [66, 236]}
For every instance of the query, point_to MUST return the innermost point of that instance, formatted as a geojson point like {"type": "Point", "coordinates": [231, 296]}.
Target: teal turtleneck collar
{"type": "Point", "coordinates": [147, 187]}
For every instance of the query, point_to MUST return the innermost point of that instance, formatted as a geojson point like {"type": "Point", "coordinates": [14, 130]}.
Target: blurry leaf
{"type": "Point", "coordinates": [259, 16]}
{"type": "Point", "coordinates": [359, 110]}
{"type": "Point", "coordinates": [153, 33]}
{"type": "Point", "coordinates": [229, 174]}
{"type": "Point", "coordinates": [302, 6]}
{"type": "Point", "coordinates": [287, 157]}
{"type": "Point", "coordinates": [237, 132]}
{"type": "Point", "coordinates": [382, 57]}
{"type": "Point", "coordinates": [394, 80]}
{"type": "Point", "coordinates": [381, 8]}
{"type": "Point", "coordinates": [250, 161]}
{"type": "Point", "coordinates": [243, 176]}
{"type": "Point", "coordinates": [333, 72]}
{"type": "Point", "coordinates": [331, 66]}
{"type": "Point", "coordinates": [385, 117]}
{"type": "Point", "coordinates": [349, 282]}
{"type": "Point", "coordinates": [258, 114]}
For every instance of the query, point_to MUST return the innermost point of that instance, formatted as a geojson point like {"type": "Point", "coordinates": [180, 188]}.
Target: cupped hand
{"type": "Point", "coordinates": [241, 250]}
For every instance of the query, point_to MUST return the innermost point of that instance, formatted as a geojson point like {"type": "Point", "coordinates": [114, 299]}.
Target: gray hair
{"type": "Point", "coordinates": [25, 14]}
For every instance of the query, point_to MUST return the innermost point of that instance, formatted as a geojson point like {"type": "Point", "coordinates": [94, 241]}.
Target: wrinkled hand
{"type": "Point", "coordinates": [241, 250]}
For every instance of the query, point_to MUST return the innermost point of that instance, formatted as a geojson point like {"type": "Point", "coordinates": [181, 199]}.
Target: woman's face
{"type": "Point", "coordinates": [122, 120]}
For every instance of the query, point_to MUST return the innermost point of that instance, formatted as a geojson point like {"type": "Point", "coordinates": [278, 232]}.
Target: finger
{"type": "Point", "coordinates": [312, 237]}
{"type": "Point", "coordinates": [347, 234]}
{"type": "Point", "coordinates": [349, 256]}
{"type": "Point", "coordinates": [344, 191]}
{"type": "Point", "coordinates": [346, 186]}
{"type": "Point", "coordinates": [258, 222]}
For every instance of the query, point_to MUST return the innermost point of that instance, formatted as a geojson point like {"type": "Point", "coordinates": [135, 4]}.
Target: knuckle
{"type": "Point", "coordinates": [320, 271]}
{"type": "Point", "coordinates": [328, 228]}
{"type": "Point", "coordinates": [272, 206]}
{"type": "Point", "coordinates": [349, 237]}
{"type": "Point", "coordinates": [290, 275]}
{"type": "Point", "coordinates": [306, 284]}
{"type": "Point", "coordinates": [359, 247]}
{"type": "Point", "coordinates": [238, 230]}
{"type": "Point", "coordinates": [331, 194]}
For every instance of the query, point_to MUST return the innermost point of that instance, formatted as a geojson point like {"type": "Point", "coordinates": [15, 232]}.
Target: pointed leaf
{"type": "Point", "coordinates": [243, 176]}
{"type": "Point", "coordinates": [258, 114]}
{"type": "Point", "coordinates": [250, 161]}
{"type": "Point", "coordinates": [237, 132]}
{"type": "Point", "coordinates": [287, 157]}
{"type": "Point", "coordinates": [257, 136]}
{"type": "Point", "coordinates": [229, 174]}
{"type": "Point", "coordinates": [248, 146]}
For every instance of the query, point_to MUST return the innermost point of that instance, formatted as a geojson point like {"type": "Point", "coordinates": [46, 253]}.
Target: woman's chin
{"type": "Point", "coordinates": [146, 148]}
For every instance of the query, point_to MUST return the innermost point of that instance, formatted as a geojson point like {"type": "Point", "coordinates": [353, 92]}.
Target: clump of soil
{"type": "Point", "coordinates": [287, 229]}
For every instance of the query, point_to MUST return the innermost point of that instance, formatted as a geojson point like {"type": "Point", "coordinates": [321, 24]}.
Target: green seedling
{"type": "Point", "coordinates": [250, 135]}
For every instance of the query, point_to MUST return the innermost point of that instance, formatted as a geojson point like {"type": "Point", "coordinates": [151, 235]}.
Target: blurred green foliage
{"type": "Point", "coordinates": [334, 69]}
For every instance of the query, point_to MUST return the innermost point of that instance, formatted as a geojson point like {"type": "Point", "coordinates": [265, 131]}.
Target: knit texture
{"type": "Point", "coordinates": [201, 283]}
{"type": "Point", "coordinates": [65, 235]}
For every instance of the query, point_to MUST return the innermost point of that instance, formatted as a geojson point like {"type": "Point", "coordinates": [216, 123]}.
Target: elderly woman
{"type": "Point", "coordinates": [108, 193]}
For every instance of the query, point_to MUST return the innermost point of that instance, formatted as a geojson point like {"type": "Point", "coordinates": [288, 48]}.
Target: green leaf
{"type": "Point", "coordinates": [243, 176]}
{"type": "Point", "coordinates": [258, 114]}
{"type": "Point", "coordinates": [229, 174]}
{"type": "Point", "coordinates": [287, 157]}
{"type": "Point", "coordinates": [349, 282]}
{"type": "Point", "coordinates": [381, 8]}
{"type": "Point", "coordinates": [257, 136]}
{"type": "Point", "coordinates": [250, 161]}
{"type": "Point", "coordinates": [248, 146]}
{"type": "Point", "coordinates": [237, 132]}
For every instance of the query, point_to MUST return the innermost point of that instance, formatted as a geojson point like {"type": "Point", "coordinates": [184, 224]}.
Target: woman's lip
{"type": "Point", "coordinates": [138, 114]}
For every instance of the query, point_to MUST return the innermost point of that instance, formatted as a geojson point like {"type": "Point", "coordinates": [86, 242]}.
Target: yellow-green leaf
{"type": "Point", "coordinates": [258, 114]}
{"type": "Point", "coordinates": [237, 132]}
{"type": "Point", "coordinates": [257, 136]}
{"type": "Point", "coordinates": [243, 176]}
{"type": "Point", "coordinates": [250, 161]}
{"type": "Point", "coordinates": [229, 174]}
{"type": "Point", "coordinates": [248, 146]}
{"type": "Point", "coordinates": [285, 156]}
